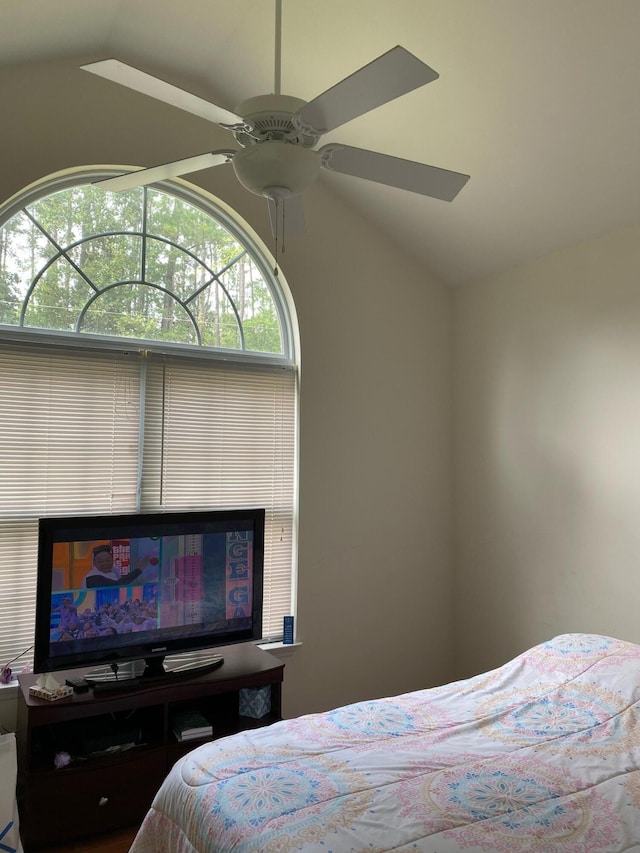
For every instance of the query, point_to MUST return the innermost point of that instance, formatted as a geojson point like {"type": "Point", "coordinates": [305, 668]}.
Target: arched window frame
{"type": "Point", "coordinates": [157, 359]}
{"type": "Point", "coordinates": [199, 198]}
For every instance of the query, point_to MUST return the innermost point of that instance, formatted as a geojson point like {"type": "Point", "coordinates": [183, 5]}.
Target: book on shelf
{"type": "Point", "coordinates": [193, 735]}
{"type": "Point", "coordinates": [190, 724]}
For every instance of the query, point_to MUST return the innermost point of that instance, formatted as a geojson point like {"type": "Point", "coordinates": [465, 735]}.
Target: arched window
{"type": "Point", "coordinates": [146, 363]}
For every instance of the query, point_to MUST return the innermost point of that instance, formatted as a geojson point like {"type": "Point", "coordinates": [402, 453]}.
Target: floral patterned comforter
{"type": "Point", "coordinates": [540, 755]}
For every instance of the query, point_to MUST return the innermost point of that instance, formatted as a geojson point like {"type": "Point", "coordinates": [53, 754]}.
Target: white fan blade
{"type": "Point", "coordinates": [393, 74]}
{"type": "Point", "coordinates": [287, 217]}
{"type": "Point", "coordinates": [126, 75]}
{"type": "Point", "coordinates": [393, 171]}
{"type": "Point", "coordinates": [142, 177]}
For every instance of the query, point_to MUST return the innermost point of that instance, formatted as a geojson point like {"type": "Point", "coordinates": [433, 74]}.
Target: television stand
{"type": "Point", "coordinates": [92, 762]}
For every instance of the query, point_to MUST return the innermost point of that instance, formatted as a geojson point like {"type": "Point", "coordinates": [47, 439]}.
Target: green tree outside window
{"type": "Point", "coordinates": [142, 264]}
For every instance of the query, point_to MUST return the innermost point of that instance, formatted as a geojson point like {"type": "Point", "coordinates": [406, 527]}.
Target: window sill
{"type": "Point", "coordinates": [281, 650]}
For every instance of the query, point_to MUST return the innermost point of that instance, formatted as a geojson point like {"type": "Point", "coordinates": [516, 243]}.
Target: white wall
{"type": "Point", "coordinates": [375, 606]}
{"type": "Point", "coordinates": [375, 509]}
{"type": "Point", "coordinates": [547, 450]}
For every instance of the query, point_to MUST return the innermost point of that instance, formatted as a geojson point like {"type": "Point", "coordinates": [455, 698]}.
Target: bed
{"type": "Point", "coordinates": [540, 755]}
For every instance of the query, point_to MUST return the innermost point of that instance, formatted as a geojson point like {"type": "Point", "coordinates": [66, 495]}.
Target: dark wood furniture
{"type": "Point", "coordinates": [106, 785]}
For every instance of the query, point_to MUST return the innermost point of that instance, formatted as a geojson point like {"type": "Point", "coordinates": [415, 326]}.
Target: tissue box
{"type": "Point", "coordinates": [255, 702]}
{"type": "Point", "coordinates": [50, 695]}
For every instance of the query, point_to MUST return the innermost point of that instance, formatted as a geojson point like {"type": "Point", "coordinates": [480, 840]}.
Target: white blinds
{"type": "Point", "coordinates": [74, 439]}
{"type": "Point", "coordinates": [227, 439]}
{"type": "Point", "coordinates": [68, 446]}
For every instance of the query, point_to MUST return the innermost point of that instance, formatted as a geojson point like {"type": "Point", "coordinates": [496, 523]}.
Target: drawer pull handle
{"type": "Point", "coordinates": [103, 801]}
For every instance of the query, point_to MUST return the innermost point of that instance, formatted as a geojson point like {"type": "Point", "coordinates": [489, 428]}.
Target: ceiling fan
{"type": "Point", "coordinates": [278, 134]}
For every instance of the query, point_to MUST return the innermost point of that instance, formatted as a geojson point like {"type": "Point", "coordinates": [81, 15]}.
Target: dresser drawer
{"type": "Point", "coordinates": [81, 801]}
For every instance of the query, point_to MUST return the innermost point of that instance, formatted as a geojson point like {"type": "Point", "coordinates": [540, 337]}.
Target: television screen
{"type": "Point", "coordinates": [120, 588]}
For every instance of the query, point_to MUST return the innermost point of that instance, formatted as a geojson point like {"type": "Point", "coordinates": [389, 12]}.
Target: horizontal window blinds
{"type": "Point", "coordinates": [221, 436]}
{"type": "Point", "coordinates": [68, 445]}
{"type": "Point", "coordinates": [85, 432]}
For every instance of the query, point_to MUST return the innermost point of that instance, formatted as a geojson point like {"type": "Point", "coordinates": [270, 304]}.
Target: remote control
{"type": "Point", "coordinates": [80, 685]}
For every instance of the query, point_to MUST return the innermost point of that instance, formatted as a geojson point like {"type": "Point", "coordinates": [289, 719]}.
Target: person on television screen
{"type": "Point", "coordinates": [69, 619]}
{"type": "Point", "coordinates": [102, 572]}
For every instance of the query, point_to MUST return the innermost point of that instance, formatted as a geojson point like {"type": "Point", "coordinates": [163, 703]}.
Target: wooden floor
{"type": "Point", "coordinates": [118, 842]}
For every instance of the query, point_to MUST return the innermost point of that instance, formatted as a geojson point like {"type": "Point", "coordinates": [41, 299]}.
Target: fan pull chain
{"type": "Point", "coordinates": [284, 229]}
{"type": "Point", "coordinates": [277, 201]}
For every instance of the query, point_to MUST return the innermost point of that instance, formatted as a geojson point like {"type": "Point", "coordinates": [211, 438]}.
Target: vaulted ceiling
{"type": "Point", "coordinates": [537, 101]}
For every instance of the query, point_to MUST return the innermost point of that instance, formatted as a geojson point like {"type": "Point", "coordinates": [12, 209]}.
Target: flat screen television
{"type": "Point", "coordinates": [132, 595]}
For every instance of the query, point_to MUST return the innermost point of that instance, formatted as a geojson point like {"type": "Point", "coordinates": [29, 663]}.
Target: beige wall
{"type": "Point", "coordinates": [375, 605]}
{"type": "Point", "coordinates": [375, 469]}
{"type": "Point", "coordinates": [547, 451]}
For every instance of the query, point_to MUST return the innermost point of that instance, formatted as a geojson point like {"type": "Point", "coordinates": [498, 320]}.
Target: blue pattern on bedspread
{"type": "Point", "coordinates": [540, 755]}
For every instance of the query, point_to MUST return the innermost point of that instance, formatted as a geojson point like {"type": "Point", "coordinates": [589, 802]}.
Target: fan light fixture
{"type": "Point", "coordinates": [275, 169]}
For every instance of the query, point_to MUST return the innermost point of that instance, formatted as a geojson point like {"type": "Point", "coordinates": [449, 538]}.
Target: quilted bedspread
{"type": "Point", "coordinates": [540, 755]}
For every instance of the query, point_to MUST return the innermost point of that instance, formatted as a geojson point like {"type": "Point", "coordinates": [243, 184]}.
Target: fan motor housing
{"type": "Point", "coordinates": [270, 117]}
